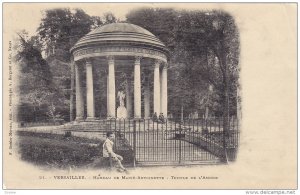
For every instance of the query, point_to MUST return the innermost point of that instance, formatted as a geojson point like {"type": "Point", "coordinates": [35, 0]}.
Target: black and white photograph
{"type": "Point", "coordinates": [149, 96]}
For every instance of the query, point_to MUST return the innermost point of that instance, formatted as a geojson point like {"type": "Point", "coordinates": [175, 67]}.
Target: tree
{"type": "Point", "coordinates": [158, 21]}
{"type": "Point", "coordinates": [205, 51]}
{"type": "Point", "coordinates": [36, 85]}
{"type": "Point", "coordinates": [217, 35]}
{"type": "Point", "coordinates": [185, 84]}
{"type": "Point", "coordinates": [60, 29]}
{"type": "Point", "coordinates": [109, 18]}
{"type": "Point", "coordinates": [31, 60]}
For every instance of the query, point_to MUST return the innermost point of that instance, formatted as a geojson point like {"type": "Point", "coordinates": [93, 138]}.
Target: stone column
{"type": "Point", "coordinates": [164, 91]}
{"type": "Point", "coordinates": [137, 87]}
{"type": "Point", "coordinates": [79, 95]}
{"type": "Point", "coordinates": [90, 91]}
{"type": "Point", "coordinates": [156, 90]}
{"type": "Point", "coordinates": [128, 98]}
{"type": "Point", "coordinates": [107, 85]}
{"type": "Point", "coordinates": [72, 94]}
{"type": "Point", "coordinates": [160, 87]}
{"type": "Point", "coordinates": [111, 107]}
{"type": "Point", "coordinates": [147, 99]}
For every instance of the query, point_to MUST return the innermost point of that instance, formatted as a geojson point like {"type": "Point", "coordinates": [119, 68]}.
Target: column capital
{"type": "Point", "coordinates": [88, 61]}
{"type": "Point", "coordinates": [157, 63]}
{"type": "Point", "coordinates": [165, 66]}
{"type": "Point", "coordinates": [76, 65]}
{"type": "Point", "coordinates": [137, 60]}
{"type": "Point", "coordinates": [110, 59]}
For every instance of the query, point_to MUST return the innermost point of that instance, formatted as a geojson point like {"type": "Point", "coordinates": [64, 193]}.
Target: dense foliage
{"type": "Point", "coordinates": [44, 62]}
{"type": "Point", "coordinates": [204, 62]}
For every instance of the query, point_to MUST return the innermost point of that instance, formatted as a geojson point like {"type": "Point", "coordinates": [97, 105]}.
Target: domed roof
{"type": "Point", "coordinates": [121, 27]}
{"type": "Point", "coordinates": [120, 33]}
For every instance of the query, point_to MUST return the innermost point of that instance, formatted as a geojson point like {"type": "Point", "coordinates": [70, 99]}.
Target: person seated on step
{"type": "Point", "coordinates": [154, 117]}
{"type": "Point", "coordinates": [108, 151]}
{"type": "Point", "coordinates": [161, 118]}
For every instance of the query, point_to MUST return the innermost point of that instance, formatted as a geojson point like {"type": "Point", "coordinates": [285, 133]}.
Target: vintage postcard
{"type": "Point", "coordinates": [150, 96]}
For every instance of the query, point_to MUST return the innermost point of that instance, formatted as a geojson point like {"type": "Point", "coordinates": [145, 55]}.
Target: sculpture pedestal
{"type": "Point", "coordinates": [121, 112]}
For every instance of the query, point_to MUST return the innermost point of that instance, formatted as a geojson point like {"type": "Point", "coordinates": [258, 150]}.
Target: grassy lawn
{"type": "Point", "coordinates": [58, 151]}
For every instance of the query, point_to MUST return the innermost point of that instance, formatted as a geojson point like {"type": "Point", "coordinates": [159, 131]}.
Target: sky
{"type": "Point", "coordinates": [29, 15]}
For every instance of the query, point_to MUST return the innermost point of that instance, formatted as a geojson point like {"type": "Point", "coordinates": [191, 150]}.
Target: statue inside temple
{"type": "Point", "coordinates": [121, 96]}
{"type": "Point", "coordinates": [121, 110]}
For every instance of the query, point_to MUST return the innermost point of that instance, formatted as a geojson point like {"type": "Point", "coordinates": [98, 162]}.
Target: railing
{"type": "Point", "coordinates": [178, 142]}
{"type": "Point", "coordinates": [172, 141]}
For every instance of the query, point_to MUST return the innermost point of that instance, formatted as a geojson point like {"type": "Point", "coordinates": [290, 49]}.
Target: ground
{"type": "Point", "coordinates": [160, 147]}
{"type": "Point", "coordinates": [159, 144]}
{"type": "Point", "coordinates": [61, 152]}
{"type": "Point", "coordinates": [57, 151]}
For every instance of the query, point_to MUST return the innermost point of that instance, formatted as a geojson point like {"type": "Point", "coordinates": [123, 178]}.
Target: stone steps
{"type": "Point", "coordinates": [106, 125]}
{"type": "Point", "coordinates": [86, 126]}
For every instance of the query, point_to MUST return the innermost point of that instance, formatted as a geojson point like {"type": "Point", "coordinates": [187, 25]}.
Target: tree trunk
{"type": "Point", "coordinates": [206, 112]}
{"type": "Point", "coordinates": [224, 68]}
{"type": "Point", "coordinates": [238, 102]}
{"type": "Point", "coordinates": [225, 115]}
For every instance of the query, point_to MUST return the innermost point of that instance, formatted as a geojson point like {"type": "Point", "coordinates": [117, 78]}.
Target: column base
{"type": "Point", "coordinates": [89, 118]}
{"type": "Point", "coordinates": [79, 119]}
